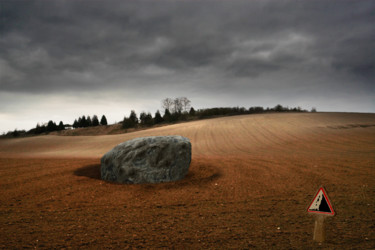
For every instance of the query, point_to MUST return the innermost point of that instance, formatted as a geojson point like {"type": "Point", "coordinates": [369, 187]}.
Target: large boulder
{"type": "Point", "coordinates": [148, 160]}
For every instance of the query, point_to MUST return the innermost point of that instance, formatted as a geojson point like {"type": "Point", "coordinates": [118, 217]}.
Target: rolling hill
{"type": "Point", "coordinates": [249, 184]}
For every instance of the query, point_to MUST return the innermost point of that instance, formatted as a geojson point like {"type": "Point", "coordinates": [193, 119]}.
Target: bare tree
{"type": "Point", "coordinates": [167, 103]}
{"type": "Point", "coordinates": [185, 103]}
{"type": "Point", "coordinates": [177, 105]}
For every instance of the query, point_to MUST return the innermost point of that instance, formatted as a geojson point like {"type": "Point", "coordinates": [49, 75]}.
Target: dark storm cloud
{"type": "Point", "coordinates": [48, 46]}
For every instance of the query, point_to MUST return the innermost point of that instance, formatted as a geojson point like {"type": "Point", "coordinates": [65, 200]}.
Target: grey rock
{"type": "Point", "coordinates": [148, 160]}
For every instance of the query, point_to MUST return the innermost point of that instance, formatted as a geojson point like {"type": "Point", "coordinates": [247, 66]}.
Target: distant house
{"type": "Point", "coordinates": [68, 126]}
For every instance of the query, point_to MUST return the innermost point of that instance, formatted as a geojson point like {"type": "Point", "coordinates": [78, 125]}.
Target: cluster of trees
{"type": "Point", "coordinates": [15, 133]}
{"type": "Point", "coordinates": [131, 121]}
{"type": "Point", "coordinates": [204, 113]}
{"type": "Point", "coordinates": [176, 105]}
{"type": "Point", "coordinates": [83, 122]}
{"type": "Point", "coordinates": [145, 120]}
{"type": "Point", "coordinates": [51, 126]}
{"type": "Point", "coordinates": [175, 109]}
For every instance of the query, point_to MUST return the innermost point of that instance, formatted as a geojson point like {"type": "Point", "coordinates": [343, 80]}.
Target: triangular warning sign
{"type": "Point", "coordinates": [321, 204]}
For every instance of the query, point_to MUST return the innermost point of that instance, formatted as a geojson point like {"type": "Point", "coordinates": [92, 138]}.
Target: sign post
{"type": "Point", "coordinates": [321, 207]}
{"type": "Point", "coordinates": [319, 235]}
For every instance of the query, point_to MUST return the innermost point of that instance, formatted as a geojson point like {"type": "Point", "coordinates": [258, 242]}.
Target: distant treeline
{"type": "Point", "coordinates": [175, 110]}
{"type": "Point", "coordinates": [205, 113]}
{"type": "Point", "coordinates": [39, 129]}
{"type": "Point", "coordinates": [51, 126]}
{"type": "Point", "coordinates": [146, 119]}
{"type": "Point", "coordinates": [84, 122]}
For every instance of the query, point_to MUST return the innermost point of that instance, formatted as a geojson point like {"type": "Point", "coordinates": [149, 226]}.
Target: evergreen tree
{"type": "Point", "coordinates": [133, 117]}
{"type": "Point", "coordinates": [88, 121]}
{"type": "Point", "coordinates": [95, 121]}
{"type": "Point", "coordinates": [127, 123]}
{"type": "Point", "coordinates": [103, 121]}
{"type": "Point", "coordinates": [79, 122]}
{"type": "Point", "coordinates": [75, 124]}
{"type": "Point", "coordinates": [192, 111]}
{"type": "Point", "coordinates": [51, 126]}
{"type": "Point", "coordinates": [61, 126]}
{"type": "Point", "coordinates": [142, 118]}
{"type": "Point", "coordinates": [83, 123]}
{"type": "Point", "coordinates": [147, 120]}
{"type": "Point", "coordinates": [132, 121]}
{"type": "Point", "coordinates": [167, 115]}
{"type": "Point", "coordinates": [158, 119]}
{"type": "Point", "coordinates": [40, 129]}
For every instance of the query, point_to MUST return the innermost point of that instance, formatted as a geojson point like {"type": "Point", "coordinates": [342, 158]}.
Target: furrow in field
{"type": "Point", "coordinates": [246, 134]}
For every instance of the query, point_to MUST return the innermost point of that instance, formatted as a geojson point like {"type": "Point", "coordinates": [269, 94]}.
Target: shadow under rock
{"type": "Point", "coordinates": [92, 171]}
{"type": "Point", "coordinates": [199, 174]}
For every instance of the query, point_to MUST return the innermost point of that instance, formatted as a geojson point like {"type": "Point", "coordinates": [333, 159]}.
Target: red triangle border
{"type": "Point", "coordinates": [327, 200]}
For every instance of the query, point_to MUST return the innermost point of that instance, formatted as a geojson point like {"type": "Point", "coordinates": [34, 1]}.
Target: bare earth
{"type": "Point", "coordinates": [249, 185]}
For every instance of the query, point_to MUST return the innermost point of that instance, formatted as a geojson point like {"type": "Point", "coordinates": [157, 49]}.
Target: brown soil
{"type": "Point", "coordinates": [249, 185]}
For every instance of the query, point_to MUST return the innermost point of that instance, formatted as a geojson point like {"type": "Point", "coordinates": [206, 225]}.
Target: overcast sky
{"type": "Point", "coordinates": [63, 59]}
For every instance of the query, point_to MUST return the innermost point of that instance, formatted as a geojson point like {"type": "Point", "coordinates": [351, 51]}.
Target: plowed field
{"type": "Point", "coordinates": [249, 185]}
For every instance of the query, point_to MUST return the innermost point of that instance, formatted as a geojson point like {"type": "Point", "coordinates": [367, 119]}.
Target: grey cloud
{"type": "Point", "coordinates": [355, 56]}
{"type": "Point", "coordinates": [77, 45]}
{"type": "Point", "coordinates": [252, 68]}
